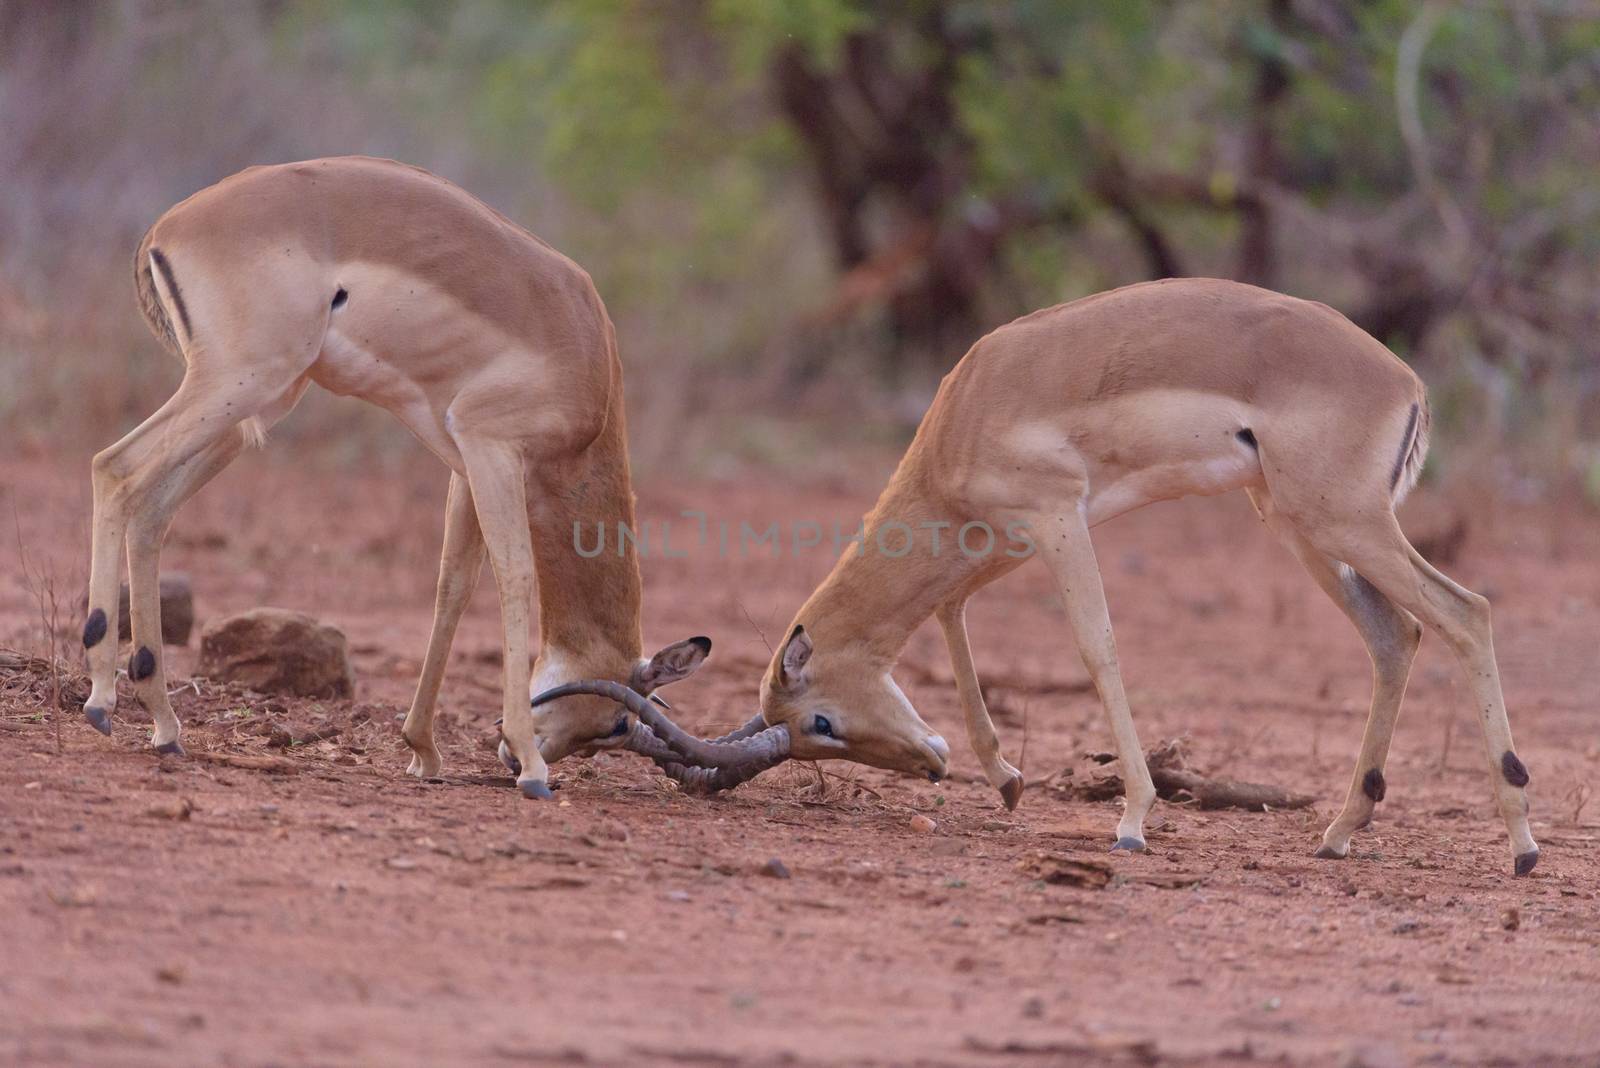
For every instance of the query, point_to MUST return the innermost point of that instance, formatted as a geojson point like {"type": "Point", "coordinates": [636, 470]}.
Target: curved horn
{"type": "Point", "coordinates": [710, 780]}
{"type": "Point", "coordinates": [756, 725]}
{"type": "Point", "coordinates": [644, 741]}
{"type": "Point", "coordinates": [766, 746]}
{"type": "Point", "coordinates": [696, 780]}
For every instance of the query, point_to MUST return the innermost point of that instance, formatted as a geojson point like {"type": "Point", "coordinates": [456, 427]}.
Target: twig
{"type": "Point", "coordinates": [1022, 757]}
{"type": "Point", "coordinates": [1580, 796]}
{"type": "Point", "coordinates": [851, 782]}
{"type": "Point", "coordinates": [753, 625]}
{"type": "Point", "coordinates": [42, 584]}
{"type": "Point", "coordinates": [249, 763]}
{"type": "Point", "coordinates": [1172, 778]}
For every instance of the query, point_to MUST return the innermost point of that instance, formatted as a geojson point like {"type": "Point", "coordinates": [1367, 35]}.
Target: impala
{"type": "Point", "coordinates": [1070, 416]}
{"type": "Point", "coordinates": [381, 281]}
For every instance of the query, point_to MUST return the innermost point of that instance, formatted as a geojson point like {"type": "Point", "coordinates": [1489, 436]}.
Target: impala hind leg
{"type": "Point", "coordinates": [459, 567]}
{"type": "Point", "coordinates": [1391, 636]}
{"type": "Point", "coordinates": [980, 728]}
{"type": "Point", "coordinates": [149, 520]}
{"type": "Point", "coordinates": [496, 478]}
{"type": "Point", "coordinates": [1377, 549]}
{"type": "Point", "coordinates": [138, 484]}
{"type": "Point", "coordinates": [1063, 542]}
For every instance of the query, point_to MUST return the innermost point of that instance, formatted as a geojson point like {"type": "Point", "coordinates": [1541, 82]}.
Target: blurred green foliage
{"type": "Point", "coordinates": [851, 191]}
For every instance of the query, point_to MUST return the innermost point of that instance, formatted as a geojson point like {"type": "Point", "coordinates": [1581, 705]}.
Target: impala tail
{"type": "Point", "coordinates": [1413, 450]}
{"type": "Point", "coordinates": [144, 266]}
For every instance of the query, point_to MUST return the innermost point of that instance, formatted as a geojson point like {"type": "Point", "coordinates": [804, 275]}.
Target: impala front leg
{"type": "Point", "coordinates": [980, 728]}
{"type": "Point", "coordinates": [1063, 542]}
{"type": "Point", "coordinates": [459, 566]}
{"type": "Point", "coordinates": [496, 479]}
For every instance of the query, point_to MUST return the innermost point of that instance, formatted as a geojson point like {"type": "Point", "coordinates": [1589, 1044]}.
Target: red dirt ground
{"type": "Point", "coordinates": [342, 913]}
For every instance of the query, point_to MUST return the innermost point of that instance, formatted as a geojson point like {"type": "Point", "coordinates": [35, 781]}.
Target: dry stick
{"type": "Point", "coordinates": [1171, 775]}
{"type": "Point", "coordinates": [249, 763]}
{"type": "Point", "coordinates": [1444, 749]}
{"type": "Point", "coordinates": [753, 625]}
{"type": "Point", "coordinates": [1022, 757]}
{"type": "Point", "coordinates": [42, 584]}
{"type": "Point", "coordinates": [1581, 793]}
{"type": "Point", "coordinates": [851, 782]}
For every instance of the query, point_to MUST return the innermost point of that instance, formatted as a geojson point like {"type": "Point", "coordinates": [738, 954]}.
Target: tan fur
{"type": "Point", "coordinates": [1073, 415]}
{"type": "Point", "coordinates": [492, 347]}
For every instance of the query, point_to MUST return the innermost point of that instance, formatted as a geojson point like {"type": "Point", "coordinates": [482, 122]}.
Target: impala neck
{"type": "Point", "coordinates": [874, 598]}
{"type": "Point", "coordinates": [589, 607]}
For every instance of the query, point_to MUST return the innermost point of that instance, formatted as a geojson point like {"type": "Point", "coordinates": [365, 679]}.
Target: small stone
{"type": "Point", "coordinates": [177, 808]}
{"type": "Point", "coordinates": [679, 896]}
{"type": "Point", "coordinates": [171, 973]}
{"type": "Point", "coordinates": [922, 824]}
{"type": "Point", "coordinates": [1033, 1008]}
{"type": "Point", "coordinates": [775, 869]}
{"type": "Point", "coordinates": [1511, 918]}
{"type": "Point", "coordinates": [401, 863]}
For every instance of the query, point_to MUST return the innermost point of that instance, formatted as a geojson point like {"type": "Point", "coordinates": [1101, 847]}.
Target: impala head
{"type": "Point", "coordinates": [584, 722]}
{"type": "Point", "coordinates": [844, 707]}
{"type": "Point", "coordinates": [842, 704]}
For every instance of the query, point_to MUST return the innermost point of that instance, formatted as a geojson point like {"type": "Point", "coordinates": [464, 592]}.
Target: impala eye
{"type": "Point", "coordinates": [821, 726]}
{"type": "Point", "coordinates": [621, 728]}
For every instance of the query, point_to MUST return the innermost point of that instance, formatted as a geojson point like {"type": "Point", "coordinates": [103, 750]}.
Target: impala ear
{"type": "Point", "coordinates": [792, 675]}
{"type": "Point", "coordinates": [677, 661]}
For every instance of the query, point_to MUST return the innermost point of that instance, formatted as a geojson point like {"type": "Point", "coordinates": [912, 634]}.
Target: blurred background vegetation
{"type": "Point", "coordinates": [802, 213]}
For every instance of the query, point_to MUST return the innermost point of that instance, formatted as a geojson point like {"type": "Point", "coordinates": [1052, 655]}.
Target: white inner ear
{"type": "Point", "coordinates": [677, 661]}
{"type": "Point", "coordinates": [796, 654]}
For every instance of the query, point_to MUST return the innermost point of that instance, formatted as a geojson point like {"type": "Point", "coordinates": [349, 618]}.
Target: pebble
{"type": "Point", "coordinates": [922, 824]}
{"type": "Point", "coordinates": [775, 869]}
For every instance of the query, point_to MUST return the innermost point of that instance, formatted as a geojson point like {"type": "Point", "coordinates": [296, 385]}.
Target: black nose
{"type": "Point", "coordinates": [934, 776]}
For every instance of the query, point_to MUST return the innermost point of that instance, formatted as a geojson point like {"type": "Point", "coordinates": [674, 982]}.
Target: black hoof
{"type": "Point", "coordinates": [171, 748]}
{"type": "Point", "coordinates": [1129, 845]}
{"type": "Point", "coordinates": [535, 790]}
{"type": "Point", "coordinates": [99, 719]}
{"type": "Point", "coordinates": [1327, 853]}
{"type": "Point", "coordinates": [1011, 793]}
{"type": "Point", "coordinates": [1526, 861]}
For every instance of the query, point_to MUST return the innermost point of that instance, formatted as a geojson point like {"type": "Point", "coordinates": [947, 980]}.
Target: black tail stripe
{"type": "Point", "coordinates": [1405, 449]}
{"type": "Point", "coordinates": [160, 260]}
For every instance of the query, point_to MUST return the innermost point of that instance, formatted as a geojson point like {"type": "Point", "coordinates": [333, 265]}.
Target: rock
{"type": "Point", "coordinates": [922, 824]}
{"type": "Point", "coordinates": [1511, 918]}
{"type": "Point", "coordinates": [177, 808]}
{"type": "Point", "coordinates": [775, 869]}
{"type": "Point", "coordinates": [276, 651]}
{"type": "Point", "coordinates": [177, 610]}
